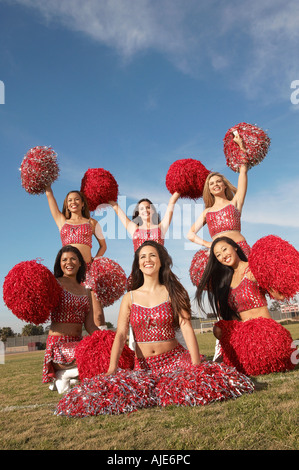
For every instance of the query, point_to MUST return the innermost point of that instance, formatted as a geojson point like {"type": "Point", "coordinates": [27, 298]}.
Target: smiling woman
{"type": "Point", "coordinates": [250, 339]}
{"type": "Point", "coordinates": [77, 228]}
{"type": "Point", "coordinates": [73, 310]}
{"type": "Point", "coordinates": [223, 207]}
{"type": "Point", "coordinates": [145, 223]}
{"type": "Point", "coordinates": [164, 372]}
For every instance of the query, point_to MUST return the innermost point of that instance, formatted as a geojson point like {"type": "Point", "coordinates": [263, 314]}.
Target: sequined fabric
{"type": "Point", "coordinates": [151, 324]}
{"type": "Point", "coordinates": [141, 235]}
{"type": "Point", "coordinates": [246, 295]}
{"type": "Point", "coordinates": [256, 346]}
{"type": "Point", "coordinates": [71, 309]}
{"type": "Point", "coordinates": [165, 363]}
{"type": "Point", "coordinates": [162, 380]}
{"type": "Point", "coordinates": [226, 219]}
{"type": "Point", "coordinates": [245, 247]}
{"type": "Point", "coordinates": [59, 350]}
{"type": "Point", "coordinates": [76, 234]}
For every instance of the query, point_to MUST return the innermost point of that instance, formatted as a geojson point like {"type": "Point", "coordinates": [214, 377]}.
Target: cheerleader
{"type": "Point", "coordinates": [223, 207]}
{"type": "Point", "coordinates": [77, 228]}
{"type": "Point", "coordinates": [250, 339]}
{"type": "Point", "coordinates": [73, 311]}
{"type": "Point", "coordinates": [165, 373]}
{"type": "Point", "coordinates": [145, 224]}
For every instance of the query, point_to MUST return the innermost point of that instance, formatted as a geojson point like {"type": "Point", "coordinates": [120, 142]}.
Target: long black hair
{"type": "Point", "coordinates": [136, 217]}
{"type": "Point", "coordinates": [82, 269]}
{"type": "Point", "coordinates": [178, 295]}
{"type": "Point", "coordinates": [216, 281]}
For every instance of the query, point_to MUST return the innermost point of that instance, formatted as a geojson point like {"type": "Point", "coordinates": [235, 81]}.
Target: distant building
{"type": "Point", "coordinates": [291, 310]}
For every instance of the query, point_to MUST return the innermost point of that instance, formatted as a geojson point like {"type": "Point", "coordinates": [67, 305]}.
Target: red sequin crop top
{"type": "Point", "coordinates": [226, 219]}
{"type": "Point", "coordinates": [72, 308]}
{"type": "Point", "coordinates": [152, 324]}
{"type": "Point", "coordinates": [142, 235]}
{"type": "Point", "coordinates": [246, 296]}
{"type": "Point", "coordinates": [76, 234]}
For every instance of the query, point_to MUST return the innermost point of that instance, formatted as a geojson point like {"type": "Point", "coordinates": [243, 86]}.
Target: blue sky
{"type": "Point", "coordinates": [131, 86]}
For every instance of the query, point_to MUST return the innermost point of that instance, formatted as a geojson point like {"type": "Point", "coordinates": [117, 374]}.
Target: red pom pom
{"type": "Point", "coordinates": [31, 292]}
{"type": "Point", "coordinates": [257, 346]}
{"type": "Point", "coordinates": [99, 187]}
{"type": "Point", "coordinates": [107, 279]}
{"type": "Point", "coordinates": [256, 143]}
{"type": "Point", "coordinates": [275, 265]}
{"type": "Point", "coordinates": [187, 177]}
{"type": "Point", "coordinates": [123, 392]}
{"type": "Point", "coordinates": [39, 169]}
{"type": "Point", "coordinates": [198, 265]}
{"type": "Point", "coordinates": [202, 384]}
{"type": "Point", "coordinates": [93, 354]}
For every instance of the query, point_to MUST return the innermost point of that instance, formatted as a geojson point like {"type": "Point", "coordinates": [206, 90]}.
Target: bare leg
{"type": "Point", "coordinates": [217, 332]}
{"type": "Point", "coordinates": [217, 355]}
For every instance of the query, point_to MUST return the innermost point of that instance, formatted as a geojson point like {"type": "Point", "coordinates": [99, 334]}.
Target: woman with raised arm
{"type": "Point", "coordinates": [165, 373]}
{"type": "Point", "coordinates": [74, 311]}
{"type": "Point", "coordinates": [77, 228]}
{"type": "Point", "coordinates": [145, 224]}
{"type": "Point", "coordinates": [250, 339]}
{"type": "Point", "coordinates": [223, 207]}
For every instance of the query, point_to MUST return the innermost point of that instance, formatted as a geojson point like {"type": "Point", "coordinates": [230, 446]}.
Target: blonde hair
{"type": "Point", "coordinates": [208, 198]}
{"type": "Point", "coordinates": [85, 210]}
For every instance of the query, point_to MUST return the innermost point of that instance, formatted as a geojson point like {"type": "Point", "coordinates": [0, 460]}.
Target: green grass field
{"type": "Point", "coordinates": [264, 420]}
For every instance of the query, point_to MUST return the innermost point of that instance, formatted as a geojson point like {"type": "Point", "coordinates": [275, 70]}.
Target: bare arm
{"type": "Point", "coordinates": [166, 221]}
{"type": "Point", "coordinates": [239, 197]}
{"type": "Point", "coordinates": [274, 293]}
{"type": "Point", "coordinates": [97, 231]}
{"type": "Point", "coordinates": [192, 234]}
{"type": "Point", "coordinates": [128, 224]}
{"type": "Point", "coordinates": [190, 339]}
{"type": "Point", "coordinates": [58, 217]}
{"type": "Point", "coordinates": [89, 323]}
{"type": "Point", "coordinates": [121, 334]}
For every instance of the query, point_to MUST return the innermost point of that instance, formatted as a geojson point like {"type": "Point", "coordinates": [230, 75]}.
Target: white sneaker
{"type": "Point", "coordinates": [53, 387]}
{"type": "Point", "coordinates": [74, 382]}
{"type": "Point", "coordinates": [217, 354]}
{"type": "Point", "coordinates": [64, 377]}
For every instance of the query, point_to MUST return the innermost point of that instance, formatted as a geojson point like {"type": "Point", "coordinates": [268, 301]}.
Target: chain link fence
{"type": "Point", "coordinates": [33, 343]}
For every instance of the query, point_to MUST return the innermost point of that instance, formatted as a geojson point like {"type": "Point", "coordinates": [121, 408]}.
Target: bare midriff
{"type": "Point", "coordinates": [153, 349]}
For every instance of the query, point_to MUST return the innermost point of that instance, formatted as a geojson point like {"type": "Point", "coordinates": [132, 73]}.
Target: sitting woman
{"type": "Point", "coordinates": [250, 339]}
{"type": "Point", "coordinates": [73, 311]}
{"type": "Point", "coordinates": [77, 228]}
{"type": "Point", "coordinates": [165, 373]}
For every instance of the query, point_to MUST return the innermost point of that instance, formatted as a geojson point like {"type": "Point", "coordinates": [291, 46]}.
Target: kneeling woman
{"type": "Point", "coordinates": [250, 339]}
{"type": "Point", "coordinates": [165, 373]}
{"type": "Point", "coordinates": [73, 311]}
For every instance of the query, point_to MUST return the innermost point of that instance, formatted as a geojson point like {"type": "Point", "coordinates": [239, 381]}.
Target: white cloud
{"type": "Point", "coordinates": [255, 47]}
{"type": "Point", "coordinates": [129, 26]}
{"type": "Point", "coordinates": [274, 207]}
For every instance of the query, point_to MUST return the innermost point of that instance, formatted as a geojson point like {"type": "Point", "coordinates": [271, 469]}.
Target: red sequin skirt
{"type": "Point", "coordinates": [59, 350]}
{"type": "Point", "coordinates": [257, 346]}
{"type": "Point", "coordinates": [166, 379]}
